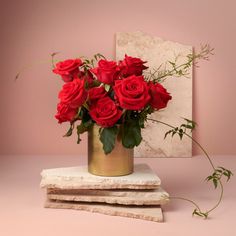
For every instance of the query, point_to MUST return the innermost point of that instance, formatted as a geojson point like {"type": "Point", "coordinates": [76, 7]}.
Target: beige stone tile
{"type": "Point", "coordinates": [79, 178]}
{"type": "Point", "coordinates": [125, 197]}
{"type": "Point", "coordinates": [158, 51]}
{"type": "Point", "coordinates": [151, 213]}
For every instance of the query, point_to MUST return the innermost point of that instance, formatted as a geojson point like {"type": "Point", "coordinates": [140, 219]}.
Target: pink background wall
{"type": "Point", "coordinates": [31, 30]}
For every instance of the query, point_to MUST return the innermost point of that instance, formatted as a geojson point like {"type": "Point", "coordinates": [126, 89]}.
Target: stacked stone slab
{"type": "Point", "coordinates": [138, 195]}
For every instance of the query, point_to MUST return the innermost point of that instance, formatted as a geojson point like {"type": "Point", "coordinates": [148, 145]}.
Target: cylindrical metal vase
{"type": "Point", "coordinates": [117, 163]}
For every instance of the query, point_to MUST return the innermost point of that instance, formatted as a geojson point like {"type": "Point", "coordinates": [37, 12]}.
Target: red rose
{"type": "Point", "coordinates": [107, 71]}
{"type": "Point", "coordinates": [132, 92]}
{"type": "Point", "coordinates": [132, 66]}
{"type": "Point", "coordinates": [96, 93]}
{"type": "Point", "coordinates": [159, 96]}
{"type": "Point", "coordinates": [68, 69]}
{"type": "Point", "coordinates": [105, 112]}
{"type": "Point", "coordinates": [73, 93]}
{"type": "Point", "coordinates": [65, 113]}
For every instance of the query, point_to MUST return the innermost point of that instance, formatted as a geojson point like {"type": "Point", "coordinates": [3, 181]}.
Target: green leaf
{"type": "Point", "coordinates": [83, 127]}
{"type": "Point", "coordinates": [219, 171]}
{"type": "Point", "coordinates": [199, 213]}
{"type": "Point", "coordinates": [187, 126]}
{"type": "Point", "coordinates": [167, 133]}
{"type": "Point", "coordinates": [131, 135]}
{"type": "Point", "coordinates": [70, 131]}
{"type": "Point", "coordinates": [101, 56]}
{"type": "Point", "coordinates": [191, 123]}
{"type": "Point", "coordinates": [215, 182]}
{"type": "Point", "coordinates": [172, 63]}
{"type": "Point", "coordinates": [181, 133]}
{"type": "Point", "coordinates": [209, 178]}
{"type": "Point", "coordinates": [227, 175]}
{"type": "Point", "coordinates": [92, 62]}
{"type": "Point", "coordinates": [141, 123]}
{"type": "Point", "coordinates": [108, 138]}
{"type": "Point", "coordinates": [226, 172]}
{"type": "Point", "coordinates": [173, 133]}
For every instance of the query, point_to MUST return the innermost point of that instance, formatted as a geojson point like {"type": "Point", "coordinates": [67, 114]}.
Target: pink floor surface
{"type": "Point", "coordinates": [22, 212]}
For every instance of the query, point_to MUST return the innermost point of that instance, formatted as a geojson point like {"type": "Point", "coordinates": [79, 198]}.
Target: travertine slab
{"type": "Point", "coordinates": [152, 213]}
{"type": "Point", "coordinates": [125, 197]}
{"type": "Point", "coordinates": [79, 178]}
{"type": "Point", "coordinates": [157, 52]}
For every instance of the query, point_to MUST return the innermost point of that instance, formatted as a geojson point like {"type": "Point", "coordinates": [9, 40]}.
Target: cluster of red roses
{"type": "Point", "coordinates": [126, 89]}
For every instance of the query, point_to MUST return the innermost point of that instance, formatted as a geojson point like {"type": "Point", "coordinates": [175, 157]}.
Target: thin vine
{"type": "Point", "coordinates": [173, 68]}
{"type": "Point", "coordinates": [217, 174]}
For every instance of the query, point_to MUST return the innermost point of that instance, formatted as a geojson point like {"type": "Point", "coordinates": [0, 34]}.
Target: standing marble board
{"type": "Point", "coordinates": [156, 52]}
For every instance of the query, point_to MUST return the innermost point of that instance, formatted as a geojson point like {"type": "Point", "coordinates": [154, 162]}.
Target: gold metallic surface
{"type": "Point", "coordinates": [117, 163]}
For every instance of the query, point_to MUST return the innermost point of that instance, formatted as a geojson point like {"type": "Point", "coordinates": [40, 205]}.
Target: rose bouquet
{"type": "Point", "coordinates": [116, 96]}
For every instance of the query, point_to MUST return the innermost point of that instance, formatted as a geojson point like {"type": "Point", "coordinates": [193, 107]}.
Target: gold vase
{"type": "Point", "coordinates": [117, 163]}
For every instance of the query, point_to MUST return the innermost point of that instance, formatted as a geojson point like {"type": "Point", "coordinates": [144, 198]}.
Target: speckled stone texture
{"type": "Point", "coordinates": [79, 178]}
{"type": "Point", "coordinates": [138, 195]}
{"type": "Point", "coordinates": [125, 197]}
{"type": "Point", "coordinates": [157, 52]}
{"type": "Point", "coordinates": [151, 213]}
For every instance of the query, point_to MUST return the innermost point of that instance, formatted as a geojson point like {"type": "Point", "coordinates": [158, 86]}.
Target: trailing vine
{"type": "Point", "coordinates": [215, 177]}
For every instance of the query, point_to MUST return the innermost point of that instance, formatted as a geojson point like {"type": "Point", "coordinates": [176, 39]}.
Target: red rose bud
{"type": "Point", "coordinates": [107, 71]}
{"type": "Point", "coordinates": [65, 113]}
{"type": "Point", "coordinates": [132, 92]}
{"type": "Point", "coordinates": [105, 112]}
{"type": "Point", "coordinates": [68, 69]}
{"type": "Point", "coordinates": [73, 93]}
{"type": "Point", "coordinates": [96, 93]}
{"type": "Point", "coordinates": [159, 96]}
{"type": "Point", "coordinates": [132, 66]}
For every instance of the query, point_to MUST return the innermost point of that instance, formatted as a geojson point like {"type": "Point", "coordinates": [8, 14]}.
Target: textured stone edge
{"type": "Point", "coordinates": [69, 178]}
{"type": "Point", "coordinates": [109, 200]}
{"type": "Point", "coordinates": [60, 184]}
{"type": "Point", "coordinates": [125, 197]}
{"type": "Point", "coordinates": [144, 213]}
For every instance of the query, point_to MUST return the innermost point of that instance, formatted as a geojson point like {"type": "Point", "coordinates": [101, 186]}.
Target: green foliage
{"type": "Point", "coordinates": [70, 130]}
{"type": "Point", "coordinates": [197, 212]}
{"type": "Point", "coordinates": [90, 63]}
{"type": "Point", "coordinates": [83, 127]}
{"type": "Point", "coordinates": [142, 116]}
{"type": "Point", "coordinates": [191, 125]}
{"type": "Point", "coordinates": [108, 137]}
{"type": "Point", "coordinates": [99, 56]}
{"type": "Point", "coordinates": [218, 174]}
{"type": "Point", "coordinates": [182, 129]}
{"type": "Point", "coordinates": [131, 133]}
{"type": "Point", "coordinates": [173, 68]}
